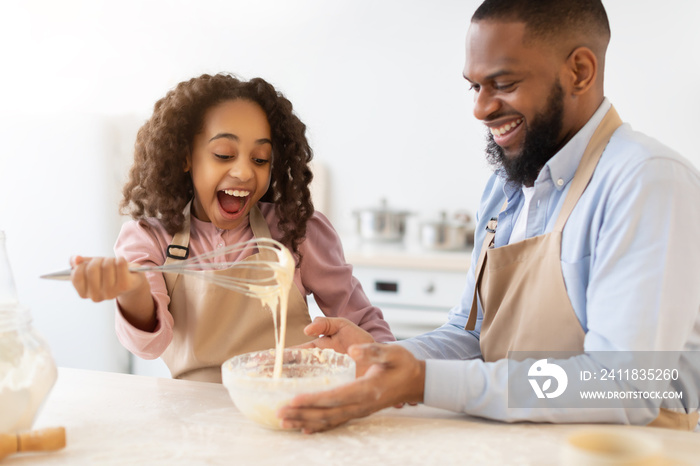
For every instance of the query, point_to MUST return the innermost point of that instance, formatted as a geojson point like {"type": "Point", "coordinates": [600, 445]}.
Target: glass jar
{"type": "Point", "coordinates": [27, 369]}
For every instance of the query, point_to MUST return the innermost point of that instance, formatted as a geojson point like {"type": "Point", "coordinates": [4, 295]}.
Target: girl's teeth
{"type": "Point", "coordinates": [236, 192]}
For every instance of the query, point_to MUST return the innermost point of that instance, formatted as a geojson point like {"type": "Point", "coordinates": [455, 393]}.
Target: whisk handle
{"type": "Point", "coordinates": [65, 274]}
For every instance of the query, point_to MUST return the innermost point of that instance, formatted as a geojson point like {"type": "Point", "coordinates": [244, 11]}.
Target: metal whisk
{"type": "Point", "coordinates": [198, 266]}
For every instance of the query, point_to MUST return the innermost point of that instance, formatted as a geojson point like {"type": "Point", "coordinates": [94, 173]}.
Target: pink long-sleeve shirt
{"type": "Point", "coordinates": [323, 273]}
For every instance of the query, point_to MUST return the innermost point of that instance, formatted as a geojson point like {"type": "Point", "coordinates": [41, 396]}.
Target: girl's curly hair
{"type": "Point", "coordinates": [159, 187]}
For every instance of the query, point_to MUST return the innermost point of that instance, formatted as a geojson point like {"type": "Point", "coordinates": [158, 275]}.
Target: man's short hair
{"type": "Point", "coordinates": [550, 19]}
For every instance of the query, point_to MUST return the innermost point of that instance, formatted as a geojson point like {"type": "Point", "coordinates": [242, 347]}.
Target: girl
{"type": "Point", "coordinates": [220, 161]}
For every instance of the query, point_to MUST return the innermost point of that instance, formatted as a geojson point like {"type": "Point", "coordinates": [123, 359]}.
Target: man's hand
{"type": "Point", "coordinates": [394, 377]}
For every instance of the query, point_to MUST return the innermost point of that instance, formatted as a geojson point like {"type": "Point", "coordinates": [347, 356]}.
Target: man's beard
{"type": "Point", "coordinates": [540, 145]}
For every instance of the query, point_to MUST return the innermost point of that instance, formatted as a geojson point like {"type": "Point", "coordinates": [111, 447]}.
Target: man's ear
{"type": "Point", "coordinates": [582, 70]}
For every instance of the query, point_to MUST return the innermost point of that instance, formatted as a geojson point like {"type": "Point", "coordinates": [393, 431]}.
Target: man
{"type": "Point", "coordinates": [586, 243]}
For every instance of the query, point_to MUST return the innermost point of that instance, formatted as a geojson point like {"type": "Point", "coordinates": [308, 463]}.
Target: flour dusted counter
{"type": "Point", "coordinates": [120, 419]}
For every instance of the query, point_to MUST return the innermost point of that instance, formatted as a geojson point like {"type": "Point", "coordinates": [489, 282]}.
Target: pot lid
{"type": "Point", "coordinates": [459, 219]}
{"type": "Point", "coordinates": [383, 208]}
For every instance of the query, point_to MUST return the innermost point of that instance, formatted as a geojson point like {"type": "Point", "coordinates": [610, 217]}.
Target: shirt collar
{"type": "Point", "coordinates": [562, 167]}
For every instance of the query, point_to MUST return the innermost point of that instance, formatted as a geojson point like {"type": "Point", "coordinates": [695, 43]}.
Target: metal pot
{"type": "Point", "coordinates": [445, 235]}
{"type": "Point", "coordinates": [381, 224]}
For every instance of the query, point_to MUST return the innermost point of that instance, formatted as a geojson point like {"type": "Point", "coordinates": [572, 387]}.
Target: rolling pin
{"type": "Point", "coordinates": [53, 438]}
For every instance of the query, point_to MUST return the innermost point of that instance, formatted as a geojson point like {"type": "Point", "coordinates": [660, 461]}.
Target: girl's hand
{"type": "Point", "coordinates": [337, 334]}
{"type": "Point", "coordinates": [102, 278]}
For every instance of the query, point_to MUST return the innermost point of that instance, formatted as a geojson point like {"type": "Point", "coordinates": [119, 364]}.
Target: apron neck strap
{"type": "Point", "coordinates": [258, 223]}
{"type": "Point", "coordinates": [587, 165]}
{"type": "Point", "coordinates": [583, 175]}
{"type": "Point", "coordinates": [261, 230]}
{"type": "Point", "coordinates": [179, 246]}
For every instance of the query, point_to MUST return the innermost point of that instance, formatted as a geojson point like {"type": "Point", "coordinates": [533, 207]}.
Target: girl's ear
{"type": "Point", "coordinates": [188, 163]}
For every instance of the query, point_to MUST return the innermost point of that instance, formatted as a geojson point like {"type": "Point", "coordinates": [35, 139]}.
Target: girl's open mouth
{"type": "Point", "coordinates": [233, 201]}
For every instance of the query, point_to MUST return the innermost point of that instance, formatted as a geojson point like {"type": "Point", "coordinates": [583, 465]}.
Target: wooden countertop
{"type": "Point", "coordinates": [124, 419]}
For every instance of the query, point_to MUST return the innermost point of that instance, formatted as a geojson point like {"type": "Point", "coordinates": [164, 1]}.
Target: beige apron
{"type": "Point", "coordinates": [529, 271]}
{"type": "Point", "coordinates": [213, 324]}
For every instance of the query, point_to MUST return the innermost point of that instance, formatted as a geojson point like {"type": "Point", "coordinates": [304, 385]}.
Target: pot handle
{"type": "Point", "coordinates": [463, 216]}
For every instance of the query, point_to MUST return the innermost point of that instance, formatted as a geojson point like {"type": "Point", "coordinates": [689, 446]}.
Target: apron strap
{"type": "Point", "coordinates": [587, 165]}
{"type": "Point", "coordinates": [488, 243]}
{"type": "Point", "coordinates": [179, 248]}
{"type": "Point", "coordinates": [258, 223]}
{"type": "Point", "coordinates": [582, 177]}
{"type": "Point", "coordinates": [261, 230]}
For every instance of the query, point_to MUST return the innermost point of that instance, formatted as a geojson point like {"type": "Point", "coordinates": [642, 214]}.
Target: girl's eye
{"type": "Point", "coordinates": [223, 157]}
{"type": "Point", "coordinates": [260, 162]}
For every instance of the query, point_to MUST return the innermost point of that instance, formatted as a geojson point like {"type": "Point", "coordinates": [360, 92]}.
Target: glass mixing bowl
{"type": "Point", "coordinates": [256, 394]}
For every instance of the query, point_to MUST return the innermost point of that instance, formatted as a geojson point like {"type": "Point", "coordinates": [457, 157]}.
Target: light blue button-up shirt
{"type": "Point", "coordinates": [631, 264]}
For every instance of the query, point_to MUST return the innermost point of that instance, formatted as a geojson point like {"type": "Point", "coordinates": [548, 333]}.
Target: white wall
{"type": "Point", "coordinates": [378, 84]}
{"type": "Point", "coordinates": [58, 195]}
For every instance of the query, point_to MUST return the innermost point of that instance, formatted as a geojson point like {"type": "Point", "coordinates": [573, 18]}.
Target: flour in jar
{"type": "Point", "coordinates": [27, 373]}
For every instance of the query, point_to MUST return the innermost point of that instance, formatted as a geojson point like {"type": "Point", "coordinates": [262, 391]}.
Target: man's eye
{"type": "Point", "coordinates": [474, 87]}
{"type": "Point", "coordinates": [504, 86]}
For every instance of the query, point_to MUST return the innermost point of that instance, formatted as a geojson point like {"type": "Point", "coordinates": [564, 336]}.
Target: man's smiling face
{"type": "Point", "coordinates": [517, 95]}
